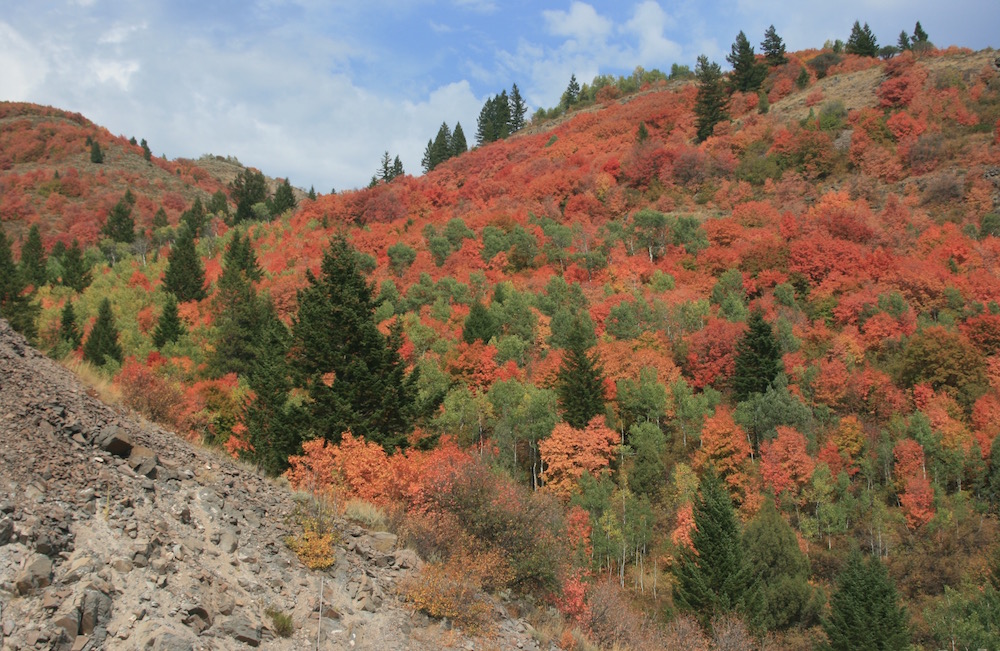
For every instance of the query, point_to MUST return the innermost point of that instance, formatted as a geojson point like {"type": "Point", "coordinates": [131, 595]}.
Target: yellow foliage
{"type": "Point", "coordinates": [447, 590]}
{"type": "Point", "coordinates": [314, 548]}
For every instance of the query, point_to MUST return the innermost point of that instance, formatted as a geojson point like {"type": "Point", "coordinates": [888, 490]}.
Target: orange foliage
{"type": "Point", "coordinates": [917, 502]}
{"type": "Point", "coordinates": [784, 463]}
{"type": "Point", "coordinates": [569, 452]}
{"type": "Point", "coordinates": [711, 357]}
{"type": "Point", "coordinates": [726, 447]}
{"type": "Point", "coordinates": [681, 535]}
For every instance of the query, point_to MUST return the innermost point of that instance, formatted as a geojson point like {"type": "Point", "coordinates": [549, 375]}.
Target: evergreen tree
{"type": "Point", "coordinates": [865, 611]}
{"type": "Point", "coordinates": [185, 276]}
{"type": "Point", "coordinates": [571, 95]}
{"type": "Point", "coordinates": [194, 218]}
{"type": "Point", "coordinates": [15, 305]}
{"type": "Point", "coordinates": [494, 119]}
{"type": "Point", "coordinates": [642, 134]}
{"type": "Point", "coordinates": [458, 144]}
{"type": "Point", "coordinates": [75, 272]}
{"type": "Point", "coordinates": [648, 474]}
{"type": "Point", "coordinates": [96, 155]}
{"type": "Point", "coordinates": [160, 219]}
{"type": "Point", "coordinates": [773, 48]}
{"type": "Point", "coordinates": [480, 324]}
{"type": "Point", "coordinates": [69, 331]}
{"type": "Point", "coordinates": [518, 109]}
{"type": "Point", "coordinates": [580, 379]}
{"type": "Point", "coordinates": [904, 41]}
{"type": "Point", "coordinates": [425, 160]}
{"type": "Point", "coordinates": [312, 193]}
{"type": "Point", "coordinates": [247, 190]}
{"type": "Point", "coordinates": [747, 75]}
{"type": "Point", "coordinates": [120, 226]}
{"type": "Point", "coordinates": [146, 153]}
{"type": "Point", "coordinates": [239, 256]}
{"type": "Point", "coordinates": [714, 578]}
{"type": "Point", "coordinates": [352, 373]}
{"type": "Point", "coordinates": [102, 343]}
{"type": "Point", "coordinates": [861, 42]}
{"type": "Point", "coordinates": [284, 199]}
{"type": "Point", "coordinates": [33, 265]}
{"type": "Point", "coordinates": [442, 147]}
{"type": "Point", "coordinates": [919, 35]}
{"type": "Point", "coordinates": [236, 309]}
{"type": "Point", "coordinates": [397, 167]}
{"type": "Point", "coordinates": [786, 598]}
{"type": "Point", "coordinates": [710, 104]}
{"type": "Point", "coordinates": [169, 328]}
{"type": "Point", "coordinates": [758, 358]}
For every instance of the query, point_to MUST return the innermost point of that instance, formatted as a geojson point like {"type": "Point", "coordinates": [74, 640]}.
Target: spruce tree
{"type": "Point", "coordinates": [69, 331]}
{"type": "Point", "coordinates": [441, 149]}
{"type": "Point", "coordinates": [518, 109]}
{"type": "Point", "coordinates": [580, 379]}
{"type": "Point", "coordinates": [96, 155]}
{"type": "Point", "coordinates": [169, 327]}
{"type": "Point", "coordinates": [353, 374]}
{"type": "Point", "coordinates": [120, 226]}
{"type": "Point", "coordinates": [480, 324]}
{"type": "Point", "coordinates": [425, 160]}
{"type": "Point", "coordinates": [146, 153]}
{"type": "Point", "coordinates": [714, 577]}
{"type": "Point", "coordinates": [571, 95]}
{"type": "Point", "coordinates": [458, 143]}
{"type": "Point", "coordinates": [102, 343]}
{"type": "Point", "coordinates": [236, 309]}
{"type": "Point", "coordinates": [904, 41]}
{"type": "Point", "coordinates": [283, 199]}
{"type": "Point", "coordinates": [15, 305]}
{"type": "Point", "coordinates": [312, 193]}
{"type": "Point", "coordinates": [758, 358]}
{"type": "Point", "coordinates": [747, 75]}
{"type": "Point", "coordinates": [865, 611]}
{"type": "Point", "coordinates": [195, 218]}
{"type": "Point", "coordinates": [919, 35]}
{"type": "Point", "coordinates": [75, 271]}
{"type": "Point", "coordinates": [160, 219]}
{"type": "Point", "coordinates": [33, 266]}
{"type": "Point", "coordinates": [710, 104]}
{"type": "Point", "coordinates": [861, 41]}
{"type": "Point", "coordinates": [773, 48]}
{"type": "Point", "coordinates": [185, 276]}
{"type": "Point", "coordinates": [247, 190]}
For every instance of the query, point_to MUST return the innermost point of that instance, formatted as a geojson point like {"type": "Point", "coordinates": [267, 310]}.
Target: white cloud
{"type": "Point", "coordinates": [117, 72]}
{"type": "Point", "coordinates": [648, 23]}
{"type": "Point", "coordinates": [119, 33]}
{"type": "Point", "coordinates": [581, 23]}
{"type": "Point", "coordinates": [21, 67]}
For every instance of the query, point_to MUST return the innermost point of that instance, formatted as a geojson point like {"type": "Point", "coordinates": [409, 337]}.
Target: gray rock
{"type": "Point", "coordinates": [143, 461]}
{"type": "Point", "coordinates": [115, 440]}
{"type": "Point", "coordinates": [384, 541]}
{"type": "Point", "coordinates": [95, 611]}
{"type": "Point", "coordinates": [6, 531]}
{"type": "Point", "coordinates": [37, 573]}
{"type": "Point", "coordinates": [241, 630]}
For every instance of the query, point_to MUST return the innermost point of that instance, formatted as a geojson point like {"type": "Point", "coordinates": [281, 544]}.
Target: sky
{"type": "Point", "coordinates": [317, 90]}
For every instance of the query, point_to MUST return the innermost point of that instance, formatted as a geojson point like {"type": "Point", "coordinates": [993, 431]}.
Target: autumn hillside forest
{"type": "Point", "coordinates": [701, 359]}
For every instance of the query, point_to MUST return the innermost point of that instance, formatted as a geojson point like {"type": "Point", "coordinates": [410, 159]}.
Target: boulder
{"type": "Point", "coordinates": [37, 573]}
{"type": "Point", "coordinates": [240, 630]}
{"type": "Point", "coordinates": [143, 461]}
{"type": "Point", "coordinates": [115, 440]}
{"type": "Point", "coordinates": [6, 531]}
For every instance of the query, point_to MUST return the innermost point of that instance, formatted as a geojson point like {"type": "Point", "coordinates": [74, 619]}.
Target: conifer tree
{"type": "Point", "coordinates": [236, 309]}
{"type": "Point", "coordinates": [247, 190]}
{"type": "Point", "coordinates": [425, 160]}
{"type": "Point", "coordinates": [904, 41]}
{"type": "Point", "coordinates": [96, 155]}
{"type": "Point", "coordinates": [75, 272]}
{"type": "Point", "coordinates": [102, 343]}
{"type": "Point", "coordinates": [352, 373]}
{"type": "Point", "coordinates": [120, 226]}
{"type": "Point", "coordinates": [920, 41]}
{"type": "Point", "coordinates": [458, 143]}
{"type": "Point", "coordinates": [571, 95]}
{"type": "Point", "coordinates": [747, 75]}
{"type": "Point", "coordinates": [15, 306]}
{"type": "Point", "coordinates": [714, 577]}
{"type": "Point", "coordinates": [283, 199]}
{"type": "Point", "coordinates": [312, 193]}
{"type": "Point", "coordinates": [865, 611]}
{"type": "Point", "coordinates": [518, 109]}
{"type": "Point", "coordinates": [32, 266]}
{"type": "Point", "coordinates": [773, 48]}
{"type": "Point", "coordinates": [194, 218]}
{"type": "Point", "coordinates": [861, 41]}
{"type": "Point", "coordinates": [758, 358]}
{"type": "Point", "coordinates": [160, 219]}
{"type": "Point", "coordinates": [69, 331]}
{"type": "Point", "coordinates": [169, 328]}
{"type": "Point", "coordinates": [480, 324]}
{"type": "Point", "coordinates": [441, 149]}
{"type": "Point", "coordinates": [580, 379]}
{"type": "Point", "coordinates": [710, 104]}
{"type": "Point", "coordinates": [185, 276]}
{"type": "Point", "coordinates": [146, 153]}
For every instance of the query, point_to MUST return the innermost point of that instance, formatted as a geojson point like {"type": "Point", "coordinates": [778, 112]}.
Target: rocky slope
{"type": "Point", "coordinates": [115, 534]}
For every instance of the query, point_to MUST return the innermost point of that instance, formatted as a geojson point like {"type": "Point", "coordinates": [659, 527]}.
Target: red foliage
{"type": "Point", "coordinates": [711, 357]}
{"type": "Point", "coordinates": [569, 452]}
{"type": "Point", "coordinates": [917, 501]}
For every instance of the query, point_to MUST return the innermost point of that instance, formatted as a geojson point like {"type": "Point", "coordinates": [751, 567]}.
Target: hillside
{"type": "Point", "coordinates": [599, 333]}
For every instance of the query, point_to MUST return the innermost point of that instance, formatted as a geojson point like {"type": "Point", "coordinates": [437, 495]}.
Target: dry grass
{"type": "Point", "coordinates": [366, 514]}
{"type": "Point", "coordinates": [100, 386]}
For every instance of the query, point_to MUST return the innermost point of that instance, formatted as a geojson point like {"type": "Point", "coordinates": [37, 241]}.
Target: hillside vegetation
{"type": "Point", "coordinates": [681, 387]}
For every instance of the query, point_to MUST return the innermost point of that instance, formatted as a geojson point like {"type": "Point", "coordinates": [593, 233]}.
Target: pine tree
{"type": "Point", "coordinates": [921, 41]}
{"type": "Point", "coordinates": [425, 160]}
{"type": "Point", "coordinates": [442, 147]}
{"type": "Point", "coordinates": [284, 199]}
{"type": "Point", "coordinates": [169, 328]}
{"type": "Point", "coordinates": [572, 93]}
{"type": "Point", "coordinates": [247, 190]}
{"type": "Point", "coordinates": [312, 193]}
{"type": "Point", "coordinates": [120, 226]}
{"type": "Point", "coordinates": [518, 109]}
{"type": "Point", "coordinates": [758, 358]}
{"type": "Point", "coordinates": [185, 276]}
{"type": "Point", "coordinates": [747, 75]}
{"type": "Point", "coordinates": [397, 167]}
{"type": "Point", "coordinates": [773, 48]}
{"type": "Point", "coordinates": [480, 324]}
{"type": "Point", "coordinates": [580, 379]}
{"type": "Point", "coordinates": [146, 153]}
{"type": "Point", "coordinates": [102, 343]}
{"type": "Point", "coordinates": [75, 272]}
{"type": "Point", "coordinates": [96, 155]}
{"type": "Point", "coordinates": [33, 266]}
{"type": "Point", "coordinates": [710, 104]}
{"type": "Point", "coordinates": [642, 134]}
{"type": "Point", "coordinates": [352, 373]}
{"type": "Point", "coordinates": [458, 144]}
{"type": "Point", "coordinates": [15, 305]}
{"type": "Point", "coordinates": [236, 309]}
{"type": "Point", "coordinates": [904, 41]}
{"type": "Point", "coordinates": [861, 42]}
{"type": "Point", "coordinates": [865, 611]}
{"type": "Point", "coordinates": [69, 331]}
{"type": "Point", "coordinates": [714, 577]}
{"type": "Point", "coordinates": [194, 218]}
{"type": "Point", "coordinates": [160, 219]}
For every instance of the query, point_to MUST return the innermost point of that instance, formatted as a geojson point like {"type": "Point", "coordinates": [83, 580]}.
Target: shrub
{"type": "Point", "coordinates": [281, 622]}
{"type": "Point", "coordinates": [447, 590]}
{"type": "Point", "coordinates": [148, 394]}
{"type": "Point", "coordinates": [366, 514]}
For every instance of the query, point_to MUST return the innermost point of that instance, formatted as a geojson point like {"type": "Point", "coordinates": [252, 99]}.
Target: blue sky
{"type": "Point", "coordinates": [317, 90]}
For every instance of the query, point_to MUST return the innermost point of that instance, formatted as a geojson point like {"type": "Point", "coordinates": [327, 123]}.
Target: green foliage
{"type": "Point", "coordinates": [169, 327]}
{"type": "Point", "coordinates": [989, 225]}
{"type": "Point", "coordinates": [281, 623]}
{"type": "Point", "coordinates": [480, 324]}
{"type": "Point", "coordinates": [580, 380]}
{"type": "Point", "coordinates": [861, 41]}
{"type": "Point", "coordinates": [352, 373]}
{"type": "Point", "coordinates": [75, 270]}
{"type": "Point", "coordinates": [773, 48]}
{"type": "Point", "coordinates": [760, 413]}
{"type": "Point", "coordinates": [758, 358]}
{"type": "Point", "coordinates": [803, 79]}
{"type": "Point", "coordinates": [146, 152]}
{"type": "Point", "coordinates": [33, 265]}
{"type": "Point", "coordinates": [120, 226]}
{"type": "Point", "coordinates": [715, 577]}
{"type": "Point", "coordinates": [711, 105]}
{"type": "Point", "coordinates": [239, 313]}
{"type": "Point", "coordinates": [944, 360]}
{"type": "Point", "coordinates": [782, 572]}
{"type": "Point", "coordinates": [865, 613]}
{"type": "Point", "coordinates": [969, 619]}
{"type": "Point", "coordinates": [494, 119]}
{"type": "Point", "coordinates": [247, 189]}
{"type": "Point", "coordinates": [648, 474]}
{"type": "Point", "coordinates": [747, 75]}
{"type": "Point", "coordinates": [69, 330]}
{"type": "Point", "coordinates": [283, 199]}
{"type": "Point", "coordinates": [401, 257]}
{"type": "Point", "coordinates": [822, 62]}
{"type": "Point", "coordinates": [185, 275]}
{"type": "Point", "coordinates": [571, 95]}
{"type": "Point", "coordinates": [102, 344]}
{"type": "Point", "coordinates": [96, 155]}
{"type": "Point", "coordinates": [15, 305]}
{"type": "Point", "coordinates": [518, 109]}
